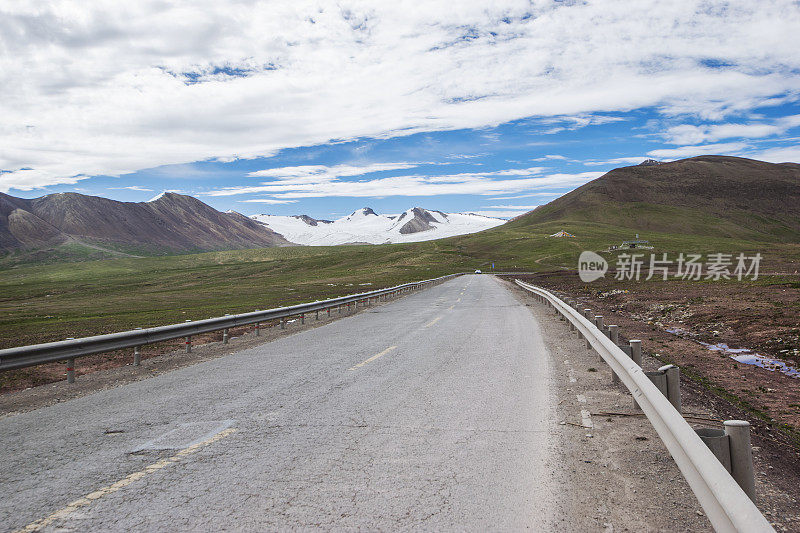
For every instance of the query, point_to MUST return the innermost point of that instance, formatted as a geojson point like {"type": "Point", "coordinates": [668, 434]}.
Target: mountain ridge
{"type": "Point", "coordinates": [714, 195]}
{"type": "Point", "coordinates": [170, 222]}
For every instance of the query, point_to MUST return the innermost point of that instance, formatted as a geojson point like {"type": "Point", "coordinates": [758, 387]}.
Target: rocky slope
{"type": "Point", "coordinates": [172, 222]}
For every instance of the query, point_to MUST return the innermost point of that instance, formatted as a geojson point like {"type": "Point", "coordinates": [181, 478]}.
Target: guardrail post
{"type": "Point", "coordinates": [731, 446]}
{"type": "Point", "coordinates": [283, 323]}
{"type": "Point", "coordinates": [587, 313]}
{"type": "Point", "coordinates": [316, 314]}
{"type": "Point", "coordinates": [71, 370]}
{"type": "Point", "coordinates": [613, 334]}
{"type": "Point", "coordinates": [329, 312]}
{"type": "Point", "coordinates": [636, 356]}
{"type": "Point", "coordinates": [258, 329]}
{"type": "Point", "coordinates": [659, 379]}
{"type": "Point", "coordinates": [302, 318]}
{"type": "Point", "coordinates": [225, 336]}
{"type": "Point", "coordinates": [719, 444]}
{"type": "Point", "coordinates": [137, 355]}
{"type": "Point", "coordinates": [738, 432]}
{"type": "Point", "coordinates": [598, 322]}
{"type": "Point", "coordinates": [673, 374]}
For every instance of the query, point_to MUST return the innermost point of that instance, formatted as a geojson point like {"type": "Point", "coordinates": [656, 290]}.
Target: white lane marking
{"type": "Point", "coordinates": [432, 322]}
{"type": "Point", "coordinates": [586, 419]}
{"type": "Point", "coordinates": [376, 356]}
{"type": "Point", "coordinates": [71, 508]}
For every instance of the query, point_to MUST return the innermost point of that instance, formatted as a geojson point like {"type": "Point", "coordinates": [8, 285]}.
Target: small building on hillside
{"type": "Point", "coordinates": [636, 243]}
{"type": "Point", "coordinates": [562, 233]}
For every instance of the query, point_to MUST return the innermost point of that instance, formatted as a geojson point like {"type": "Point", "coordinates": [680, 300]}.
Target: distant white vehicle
{"type": "Point", "coordinates": [478, 272]}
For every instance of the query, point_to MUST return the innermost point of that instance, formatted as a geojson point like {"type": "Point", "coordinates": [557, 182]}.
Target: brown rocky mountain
{"type": "Point", "coordinates": [706, 195]}
{"type": "Point", "coordinates": [170, 223]}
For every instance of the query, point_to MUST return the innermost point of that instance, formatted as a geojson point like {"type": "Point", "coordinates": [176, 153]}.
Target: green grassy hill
{"type": "Point", "coordinates": [711, 196]}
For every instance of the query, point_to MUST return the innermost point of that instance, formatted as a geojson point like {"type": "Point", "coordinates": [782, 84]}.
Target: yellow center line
{"type": "Point", "coordinates": [362, 363]}
{"type": "Point", "coordinates": [451, 307]}
{"type": "Point", "coordinates": [432, 322]}
{"type": "Point", "coordinates": [458, 300]}
{"type": "Point", "coordinates": [124, 482]}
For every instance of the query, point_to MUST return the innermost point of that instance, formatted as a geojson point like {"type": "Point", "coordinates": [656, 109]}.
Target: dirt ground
{"type": "Point", "coordinates": [762, 318]}
{"type": "Point", "coordinates": [712, 385]}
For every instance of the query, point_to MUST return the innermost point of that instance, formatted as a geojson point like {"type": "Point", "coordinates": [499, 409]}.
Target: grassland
{"type": "Point", "coordinates": [40, 303]}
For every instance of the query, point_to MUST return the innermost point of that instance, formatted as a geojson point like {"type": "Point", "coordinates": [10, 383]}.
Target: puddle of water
{"type": "Point", "coordinates": [744, 355]}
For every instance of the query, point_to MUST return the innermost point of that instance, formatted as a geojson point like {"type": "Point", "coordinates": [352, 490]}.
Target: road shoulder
{"type": "Point", "coordinates": [621, 475]}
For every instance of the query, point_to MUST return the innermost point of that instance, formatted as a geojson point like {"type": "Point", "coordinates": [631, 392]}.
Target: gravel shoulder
{"type": "Point", "coordinates": [622, 476]}
{"type": "Point", "coordinates": [637, 470]}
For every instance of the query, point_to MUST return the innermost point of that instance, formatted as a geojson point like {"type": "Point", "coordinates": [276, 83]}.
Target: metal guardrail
{"type": "Point", "coordinates": [37, 354]}
{"type": "Point", "coordinates": [725, 503]}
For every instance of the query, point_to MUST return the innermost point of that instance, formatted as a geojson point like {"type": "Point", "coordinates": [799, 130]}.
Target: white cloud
{"type": "Point", "coordinates": [130, 188]}
{"type": "Point", "coordinates": [270, 201]}
{"type": "Point", "coordinates": [617, 161]}
{"type": "Point", "coordinates": [501, 214]}
{"type": "Point", "coordinates": [782, 154]}
{"type": "Point", "coordinates": [526, 207]}
{"type": "Point", "coordinates": [322, 181]}
{"type": "Point", "coordinates": [111, 88]}
{"type": "Point", "coordinates": [305, 173]}
{"type": "Point", "coordinates": [691, 151]}
{"type": "Point", "coordinates": [553, 157]}
{"type": "Point", "coordinates": [691, 134]}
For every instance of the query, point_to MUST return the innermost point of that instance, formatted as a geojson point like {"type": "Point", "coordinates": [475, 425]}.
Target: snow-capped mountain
{"type": "Point", "coordinates": [367, 227]}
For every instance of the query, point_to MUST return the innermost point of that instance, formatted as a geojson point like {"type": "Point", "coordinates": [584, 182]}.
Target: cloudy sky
{"type": "Point", "coordinates": [313, 107]}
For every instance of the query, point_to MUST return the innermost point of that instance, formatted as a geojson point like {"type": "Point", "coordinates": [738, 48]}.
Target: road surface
{"type": "Point", "coordinates": [434, 411]}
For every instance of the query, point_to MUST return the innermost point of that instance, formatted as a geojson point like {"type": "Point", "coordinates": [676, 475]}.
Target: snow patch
{"type": "Point", "coordinates": [366, 226]}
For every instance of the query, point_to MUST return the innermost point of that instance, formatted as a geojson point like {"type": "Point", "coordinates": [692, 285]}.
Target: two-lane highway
{"type": "Point", "coordinates": [433, 412]}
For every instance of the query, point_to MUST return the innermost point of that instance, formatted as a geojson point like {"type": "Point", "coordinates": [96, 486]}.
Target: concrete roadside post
{"type": "Point", "coordinates": [587, 314]}
{"type": "Point", "coordinates": [719, 444]}
{"type": "Point", "coordinates": [659, 379]}
{"type": "Point", "coordinates": [137, 355]}
{"type": "Point", "coordinates": [188, 342]}
{"type": "Point", "coordinates": [613, 334]}
{"type": "Point", "coordinates": [738, 432]}
{"type": "Point", "coordinates": [71, 370]}
{"type": "Point", "coordinates": [636, 356]}
{"type": "Point", "coordinates": [732, 447]}
{"type": "Point", "coordinates": [673, 374]}
{"type": "Point", "coordinates": [598, 322]}
{"type": "Point", "coordinates": [571, 303]}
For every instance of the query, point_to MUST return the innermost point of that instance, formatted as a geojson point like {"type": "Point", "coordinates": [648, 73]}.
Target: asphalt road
{"type": "Point", "coordinates": [431, 412]}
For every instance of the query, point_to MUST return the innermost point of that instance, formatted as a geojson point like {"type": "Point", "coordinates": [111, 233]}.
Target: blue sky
{"type": "Point", "coordinates": [319, 108]}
